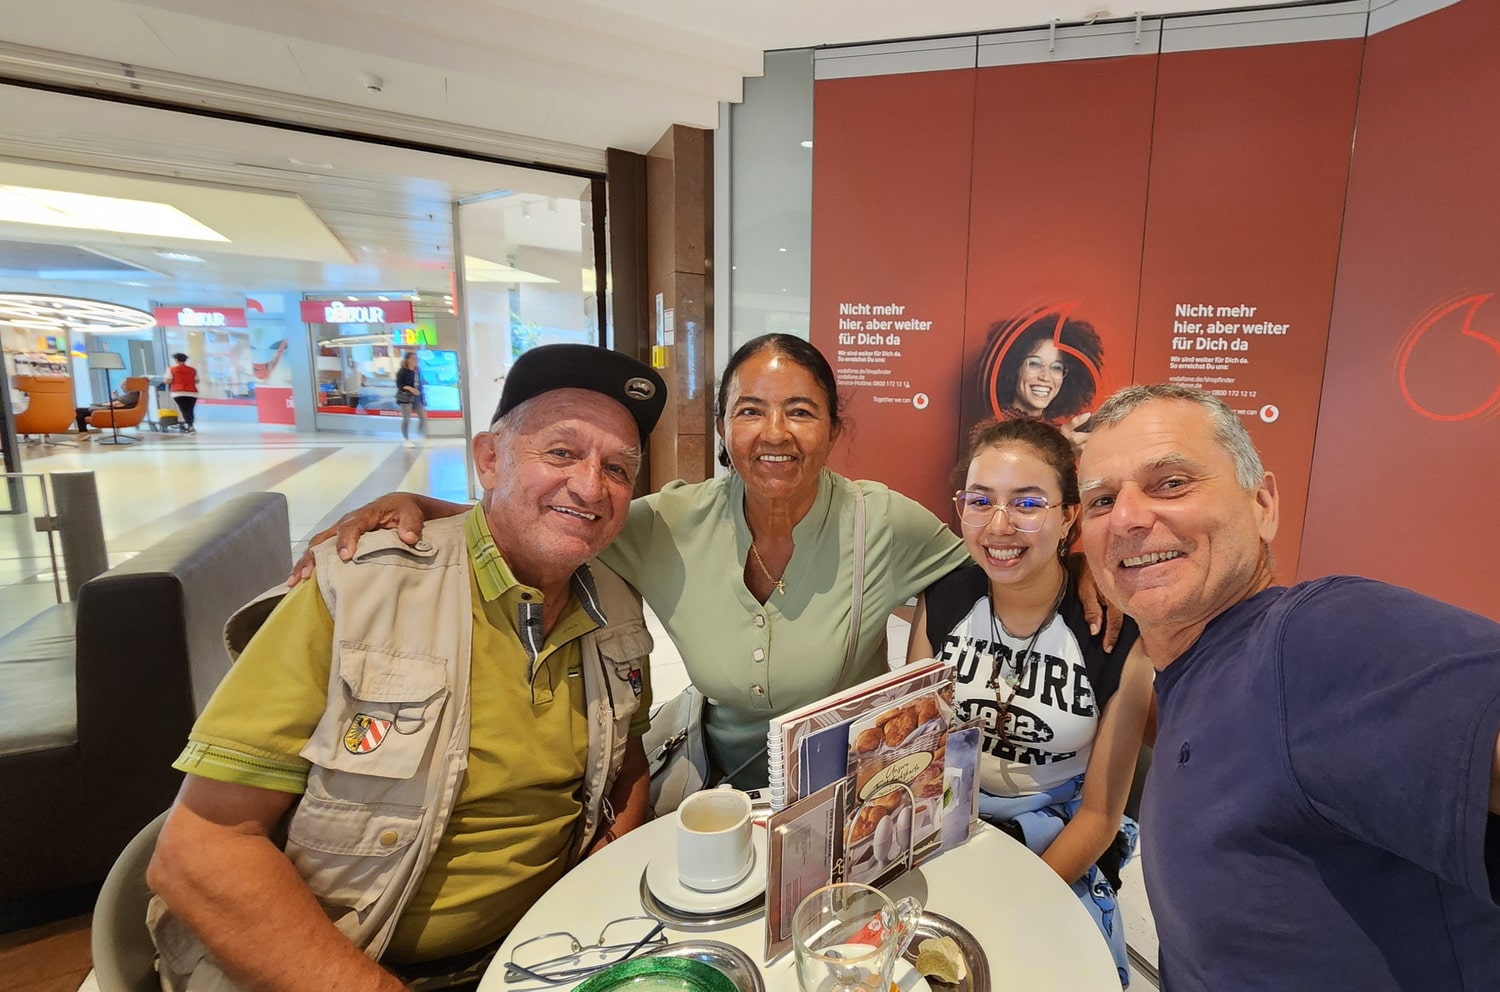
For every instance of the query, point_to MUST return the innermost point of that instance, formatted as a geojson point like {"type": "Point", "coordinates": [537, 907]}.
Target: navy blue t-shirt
{"type": "Point", "coordinates": [1317, 816]}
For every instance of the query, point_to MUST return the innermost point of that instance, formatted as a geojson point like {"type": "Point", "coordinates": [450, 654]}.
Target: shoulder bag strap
{"type": "Point", "coordinates": [855, 611]}
{"type": "Point", "coordinates": [856, 604]}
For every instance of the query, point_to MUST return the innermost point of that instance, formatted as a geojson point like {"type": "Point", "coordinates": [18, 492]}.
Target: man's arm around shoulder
{"type": "Point", "coordinates": [217, 869]}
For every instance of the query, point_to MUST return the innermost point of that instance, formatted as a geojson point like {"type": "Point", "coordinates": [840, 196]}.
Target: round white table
{"type": "Point", "coordinates": [1037, 935]}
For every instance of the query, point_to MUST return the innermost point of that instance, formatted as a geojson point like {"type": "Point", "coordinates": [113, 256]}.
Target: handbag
{"type": "Point", "coordinates": [676, 751]}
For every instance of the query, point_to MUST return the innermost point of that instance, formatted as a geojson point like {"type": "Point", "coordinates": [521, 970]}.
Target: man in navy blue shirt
{"type": "Point", "coordinates": [1322, 811]}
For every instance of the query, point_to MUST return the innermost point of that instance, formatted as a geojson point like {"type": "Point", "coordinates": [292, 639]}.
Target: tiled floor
{"type": "Point", "coordinates": [147, 489]}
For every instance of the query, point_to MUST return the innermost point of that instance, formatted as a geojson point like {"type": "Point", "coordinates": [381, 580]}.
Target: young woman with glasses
{"type": "Point", "coordinates": [1062, 719]}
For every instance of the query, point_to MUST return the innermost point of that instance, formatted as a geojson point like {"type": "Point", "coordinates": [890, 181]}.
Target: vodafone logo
{"type": "Point", "coordinates": [920, 401]}
{"type": "Point", "coordinates": [1447, 337]}
{"type": "Point", "coordinates": [1270, 413]}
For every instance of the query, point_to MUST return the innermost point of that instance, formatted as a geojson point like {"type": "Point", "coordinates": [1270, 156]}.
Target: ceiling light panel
{"type": "Point", "coordinates": [41, 311]}
{"type": "Point", "coordinates": [87, 212]}
{"type": "Point", "coordinates": [483, 270]}
{"type": "Point", "coordinates": [262, 223]}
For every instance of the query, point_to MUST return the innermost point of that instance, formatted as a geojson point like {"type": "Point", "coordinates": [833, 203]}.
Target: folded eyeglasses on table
{"type": "Point", "coordinates": [559, 958]}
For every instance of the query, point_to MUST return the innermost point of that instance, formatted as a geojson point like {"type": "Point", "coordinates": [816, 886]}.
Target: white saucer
{"type": "Point", "coordinates": [661, 879]}
{"type": "Point", "coordinates": [907, 978]}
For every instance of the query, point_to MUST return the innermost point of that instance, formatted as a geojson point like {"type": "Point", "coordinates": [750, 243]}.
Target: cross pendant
{"type": "Point", "coordinates": [781, 588]}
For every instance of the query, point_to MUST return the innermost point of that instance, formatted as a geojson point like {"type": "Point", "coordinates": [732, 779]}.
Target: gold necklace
{"type": "Point", "coordinates": [778, 583]}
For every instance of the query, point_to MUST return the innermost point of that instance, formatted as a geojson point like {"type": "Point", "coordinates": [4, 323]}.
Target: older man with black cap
{"type": "Point", "coordinates": [442, 730]}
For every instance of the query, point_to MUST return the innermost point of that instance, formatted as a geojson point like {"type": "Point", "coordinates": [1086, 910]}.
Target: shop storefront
{"type": "Point", "coordinates": [359, 344]}
{"type": "Point", "coordinates": [296, 293]}
{"type": "Point", "coordinates": [217, 343]}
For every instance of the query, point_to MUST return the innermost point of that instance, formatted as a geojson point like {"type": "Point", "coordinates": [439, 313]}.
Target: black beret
{"type": "Point", "coordinates": [634, 384]}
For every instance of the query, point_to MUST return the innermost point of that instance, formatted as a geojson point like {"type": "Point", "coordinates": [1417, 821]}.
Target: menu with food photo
{"type": "Point", "coordinates": [808, 748]}
{"type": "Point", "coordinates": [897, 758]}
{"type": "Point", "coordinates": [907, 786]}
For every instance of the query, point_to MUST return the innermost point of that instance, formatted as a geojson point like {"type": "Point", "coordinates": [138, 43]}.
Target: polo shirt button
{"type": "Point", "coordinates": [758, 654]}
{"type": "Point", "coordinates": [388, 838]}
{"type": "Point", "coordinates": [758, 690]}
{"type": "Point", "coordinates": [422, 545]}
{"type": "Point", "coordinates": [760, 620]}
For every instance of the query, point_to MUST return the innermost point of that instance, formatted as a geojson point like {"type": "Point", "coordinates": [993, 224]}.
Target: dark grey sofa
{"type": "Point", "coordinates": [97, 696]}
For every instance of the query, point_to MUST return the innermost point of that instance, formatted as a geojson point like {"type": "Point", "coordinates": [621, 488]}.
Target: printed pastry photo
{"type": "Point", "coordinates": [865, 821]}
{"type": "Point", "coordinates": [929, 782]}
{"type": "Point", "coordinates": [896, 730]}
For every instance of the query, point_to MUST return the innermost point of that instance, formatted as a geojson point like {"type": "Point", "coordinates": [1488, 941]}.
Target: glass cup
{"type": "Point", "coordinates": [848, 936]}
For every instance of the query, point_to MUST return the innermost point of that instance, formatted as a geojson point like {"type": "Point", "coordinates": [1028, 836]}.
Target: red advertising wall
{"type": "Point", "coordinates": [890, 231]}
{"type": "Point", "coordinates": [1249, 165]}
{"type": "Point", "coordinates": [974, 198]}
{"type": "Point", "coordinates": [1061, 152]}
{"type": "Point", "coordinates": [1408, 446]}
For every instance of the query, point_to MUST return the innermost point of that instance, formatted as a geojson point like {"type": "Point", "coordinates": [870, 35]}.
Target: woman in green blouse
{"type": "Point", "coordinates": [752, 574]}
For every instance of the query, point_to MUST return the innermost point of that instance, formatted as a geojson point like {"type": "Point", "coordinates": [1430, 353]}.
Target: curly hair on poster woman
{"type": "Point", "coordinates": [1055, 340]}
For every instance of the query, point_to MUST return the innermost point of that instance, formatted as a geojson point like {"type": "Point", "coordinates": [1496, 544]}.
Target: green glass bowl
{"type": "Point", "coordinates": [652, 973]}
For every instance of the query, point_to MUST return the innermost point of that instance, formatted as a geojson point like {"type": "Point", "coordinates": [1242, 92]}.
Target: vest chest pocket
{"type": "Point", "coordinates": [347, 851]}
{"type": "Point", "coordinates": [626, 647]}
{"type": "Point", "coordinates": [383, 713]}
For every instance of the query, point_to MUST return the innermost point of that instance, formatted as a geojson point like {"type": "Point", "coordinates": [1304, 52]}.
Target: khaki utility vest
{"type": "Point", "coordinates": [370, 820]}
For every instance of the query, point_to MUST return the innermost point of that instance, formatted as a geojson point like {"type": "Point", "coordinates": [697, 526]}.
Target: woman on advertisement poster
{"type": "Point", "coordinates": [1044, 364]}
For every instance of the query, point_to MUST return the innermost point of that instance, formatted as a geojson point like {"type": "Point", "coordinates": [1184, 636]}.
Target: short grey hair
{"type": "Point", "coordinates": [509, 428]}
{"type": "Point", "coordinates": [1229, 431]}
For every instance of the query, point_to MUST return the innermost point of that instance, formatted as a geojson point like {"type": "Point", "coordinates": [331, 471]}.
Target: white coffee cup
{"type": "Point", "coordinates": [713, 839]}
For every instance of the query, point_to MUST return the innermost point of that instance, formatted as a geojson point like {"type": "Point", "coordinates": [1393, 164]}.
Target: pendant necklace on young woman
{"type": "Point", "coordinates": [778, 583]}
{"type": "Point", "coordinates": [1025, 656]}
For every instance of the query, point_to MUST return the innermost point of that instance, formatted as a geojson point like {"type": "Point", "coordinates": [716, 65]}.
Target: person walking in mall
{"type": "Point", "coordinates": [409, 397]}
{"type": "Point", "coordinates": [182, 384]}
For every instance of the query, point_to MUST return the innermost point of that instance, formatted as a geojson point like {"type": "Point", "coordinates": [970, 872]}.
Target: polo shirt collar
{"type": "Point", "coordinates": [495, 578]}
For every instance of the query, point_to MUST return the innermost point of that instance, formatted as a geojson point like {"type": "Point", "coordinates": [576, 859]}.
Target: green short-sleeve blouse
{"type": "Point", "coordinates": [685, 547]}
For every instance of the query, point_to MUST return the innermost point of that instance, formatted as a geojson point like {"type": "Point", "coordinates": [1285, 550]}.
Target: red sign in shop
{"type": "Point", "coordinates": [357, 312]}
{"type": "Point", "coordinates": [273, 405]}
{"type": "Point", "coordinates": [200, 316]}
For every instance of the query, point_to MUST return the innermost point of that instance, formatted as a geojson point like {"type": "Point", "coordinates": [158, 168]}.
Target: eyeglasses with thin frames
{"type": "Point", "coordinates": [1025, 513]}
{"type": "Point", "coordinates": [1035, 366]}
{"type": "Point", "coordinates": [559, 958]}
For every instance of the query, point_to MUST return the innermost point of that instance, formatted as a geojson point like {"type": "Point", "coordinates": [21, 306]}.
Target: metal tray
{"type": "Point", "coordinates": [736, 965]}
{"type": "Point", "coordinates": [692, 922]}
{"type": "Point", "coordinates": [932, 925]}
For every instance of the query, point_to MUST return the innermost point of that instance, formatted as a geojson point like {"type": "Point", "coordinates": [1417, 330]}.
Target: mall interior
{"type": "Point", "coordinates": [297, 195]}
